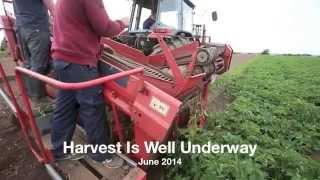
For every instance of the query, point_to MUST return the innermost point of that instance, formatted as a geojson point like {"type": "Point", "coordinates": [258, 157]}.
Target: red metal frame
{"type": "Point", "coordinates": [122, 99]}
{"type": "Point", "coordinates": [29, 123]}
{"type": "Point", "coordinates": [43, 156]}
{"type": "Point", "coordinates": [227, 56]}
{"type": "Point", "coordinates": [153, 60]}
{"type": "Point", "coordinates": [135, 100]}
{"type": "Point", "coordinates": [182, 84]}
{"type": "Point", "coordinates": [76, 86]}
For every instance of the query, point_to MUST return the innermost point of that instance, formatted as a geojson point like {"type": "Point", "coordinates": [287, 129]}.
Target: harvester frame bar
{"type": "Point", "coordinates": [43, 155]}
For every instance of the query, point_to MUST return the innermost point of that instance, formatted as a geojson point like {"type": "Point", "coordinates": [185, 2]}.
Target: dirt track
{"type": "Point", "coordinates": [17, 162]}
{"type": "Point", "coordinates": [239, 59]}
{"type": "Point", "coordinates": [217, 100]}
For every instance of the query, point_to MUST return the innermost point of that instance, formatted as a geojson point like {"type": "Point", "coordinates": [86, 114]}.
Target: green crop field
{"type": "Point", "coordinates": [274, 102]}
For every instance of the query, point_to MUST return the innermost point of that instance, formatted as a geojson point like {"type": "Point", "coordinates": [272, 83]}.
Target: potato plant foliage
{"type": "Point", "coordinates": [274, 103]}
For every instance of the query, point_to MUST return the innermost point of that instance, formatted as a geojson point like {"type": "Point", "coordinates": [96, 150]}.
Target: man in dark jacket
{"type": "Point", "coordinates": [32, 24]}
{"type": "Point", "coordinates": [78, 28]}
{"type": "Point", "coordinates": [148, 23]}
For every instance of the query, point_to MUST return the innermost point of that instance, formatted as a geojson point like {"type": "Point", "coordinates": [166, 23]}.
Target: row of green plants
{"type": "Point", "coordinates": [274, 103]}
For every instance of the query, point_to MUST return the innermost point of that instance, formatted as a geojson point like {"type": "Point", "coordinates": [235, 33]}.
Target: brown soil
{"type": "Point", "coordinates": [316, 155]}
{"type": "Point", "coordinates": [16, 161]}
{"type": "Point", "coordinates": [217, 99]}
{"type": "Point", "coordinates": [239, 59]}
{"type": "Point", "coordinates": [218, 102]}
{"type": "Point", "coordinates": [7, 63]}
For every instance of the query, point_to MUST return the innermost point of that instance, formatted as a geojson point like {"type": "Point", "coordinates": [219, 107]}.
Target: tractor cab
{"type": "Point", "coordinates": [174, 14]}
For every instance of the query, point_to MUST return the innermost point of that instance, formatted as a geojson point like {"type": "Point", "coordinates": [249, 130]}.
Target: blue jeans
{"type": "Point", "coordinates": [88, 105]}
{"type": "Point", "coordinates": [105, 70]}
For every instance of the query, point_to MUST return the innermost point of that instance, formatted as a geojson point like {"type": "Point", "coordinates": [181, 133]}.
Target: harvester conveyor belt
{"type": "Point", "coordinates": [130, 64]}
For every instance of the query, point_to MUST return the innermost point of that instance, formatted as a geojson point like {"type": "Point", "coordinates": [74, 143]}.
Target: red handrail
{"type": "Point", "coordinates": [77, 86]}
{"type": "Point", "coordinates": [44, 155]}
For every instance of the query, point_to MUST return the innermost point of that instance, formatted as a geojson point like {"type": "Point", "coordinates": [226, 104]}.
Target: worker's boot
{"type": "Point", "coordinates": [40, 103]}
{"type": "Point", "coordinates": [35, 88]}
{"type": "Point", "coordinates": [72, 157]}
{"type": "Point", "coordinates": [114, 162]}
{"type": "Point", "coordinates": [37, 91]}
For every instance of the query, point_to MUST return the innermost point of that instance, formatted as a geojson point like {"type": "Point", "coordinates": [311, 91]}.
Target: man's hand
{"type": "Point", "coordinates": [125, 21]}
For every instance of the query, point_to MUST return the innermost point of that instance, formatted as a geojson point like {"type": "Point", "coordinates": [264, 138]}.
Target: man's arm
{"type": "Point", "coordinates": [49, 5]}
{"type": "Point", "coordinates": [99, 19]}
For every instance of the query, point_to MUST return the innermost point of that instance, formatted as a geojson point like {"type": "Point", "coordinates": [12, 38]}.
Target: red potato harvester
{"type": "Point", "coordinates": [160, 82]}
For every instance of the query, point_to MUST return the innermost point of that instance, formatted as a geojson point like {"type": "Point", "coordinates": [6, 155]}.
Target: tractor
{"type": "Point", "coordinates": [159, 83]}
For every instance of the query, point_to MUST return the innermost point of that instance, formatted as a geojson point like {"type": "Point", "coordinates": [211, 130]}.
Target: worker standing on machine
{"type": "Point", "coordinates": [148, 23]}
{"type": "Point", "coordinates": [32, 27]}
{"type": "Point", "coordinates": [78, 28]}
